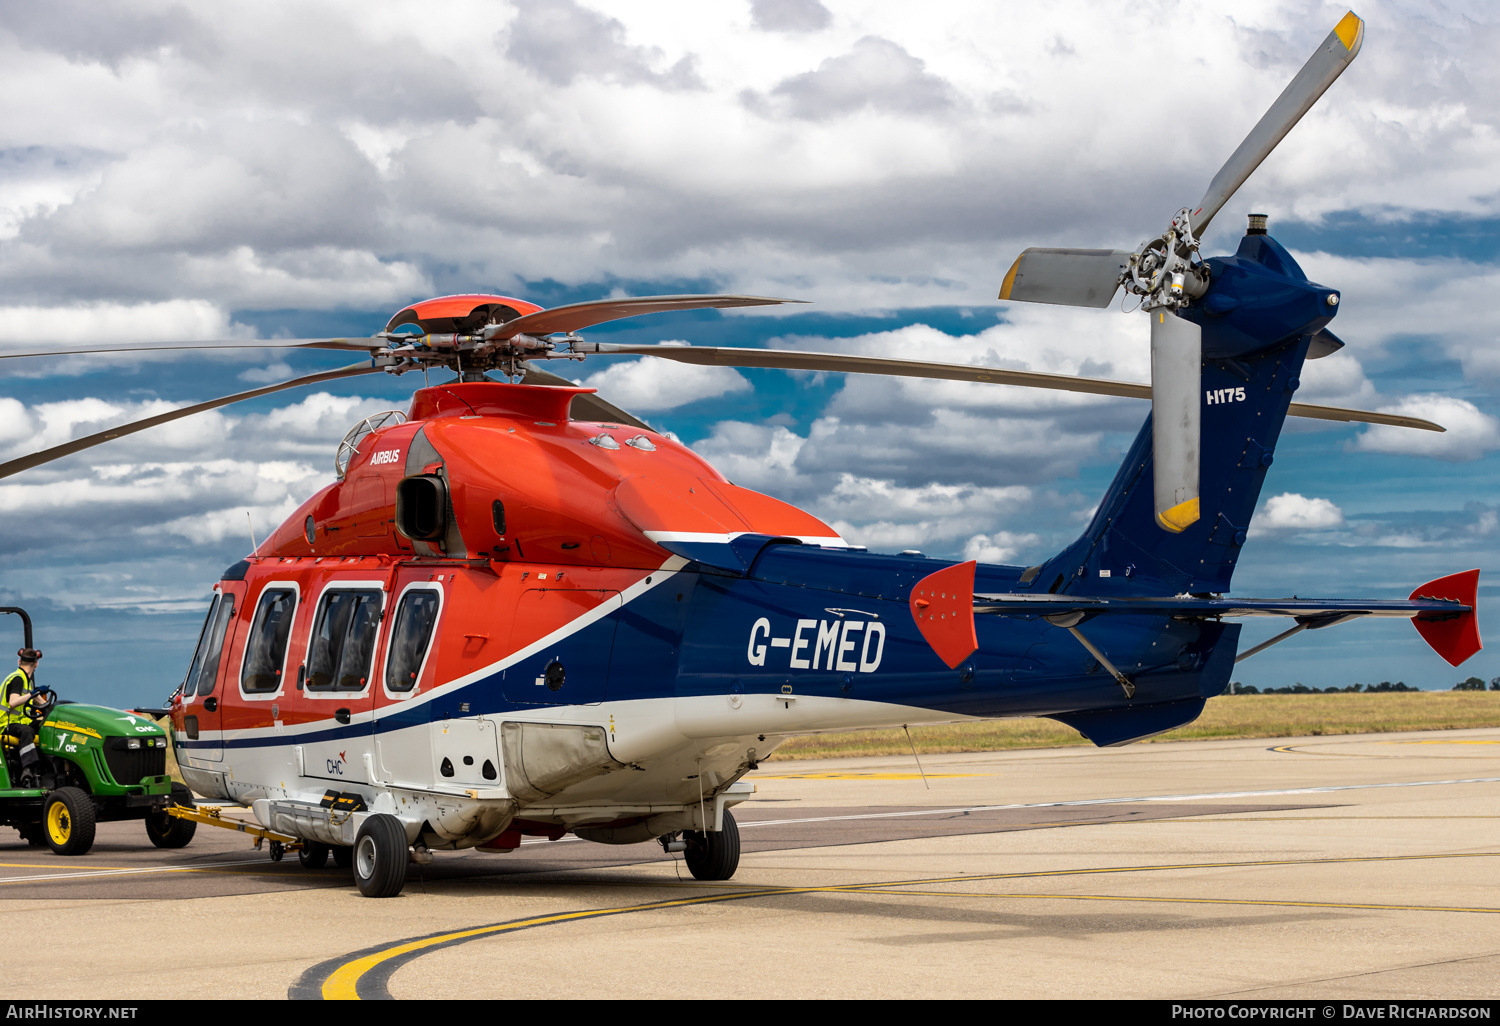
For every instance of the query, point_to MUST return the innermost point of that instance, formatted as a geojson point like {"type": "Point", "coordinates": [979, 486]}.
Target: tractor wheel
{"type": "Point", "coordinates": [313, 855]}
{"type": "Point", "coordinates": [380, 857]}
{"type": "Point", "coordinates": [68, 819]}
{"type": "Point", "coordinates": [713, 856]}
{"type": "Point", "coordinates": [343, 855]}
{"type": "Point", "coordinates": [168, 831]}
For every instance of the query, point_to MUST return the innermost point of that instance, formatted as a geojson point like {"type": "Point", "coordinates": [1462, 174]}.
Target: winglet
{"type": "Point", "coordinates": [942, 604]}
{"type": "Point", "coordinates": [1454, 636]}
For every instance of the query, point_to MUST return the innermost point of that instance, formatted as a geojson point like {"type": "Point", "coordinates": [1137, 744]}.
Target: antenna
{"type": "Point", "coordinates": [914, 756]}
{"type": "Point", "coordinates": [253, 543]}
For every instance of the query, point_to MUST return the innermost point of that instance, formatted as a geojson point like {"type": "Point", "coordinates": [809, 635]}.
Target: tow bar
{"type": "Point", "coordinates": [212, 815]}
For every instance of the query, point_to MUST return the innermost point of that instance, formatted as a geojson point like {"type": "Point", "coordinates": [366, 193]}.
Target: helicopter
{"type": "Point", "coordinates": [519, 610]}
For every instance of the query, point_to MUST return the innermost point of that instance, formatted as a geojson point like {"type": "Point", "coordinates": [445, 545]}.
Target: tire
{"type": "Point", "coordinates": [68, 821]}
{"type": "Point", "coordinates": [313, 855]}
{"type": "Point", "coordinates": [380, 857]}
{"type": "Point", "coordinates": [713, 856]}
{"type": "Point", "coordinates": [343, 856]}
{"type": "Point", "coordinates": [168, 831]}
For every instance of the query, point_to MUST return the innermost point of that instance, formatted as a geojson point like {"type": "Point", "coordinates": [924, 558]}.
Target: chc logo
{"type": "Point", "coordinates": [823, 644]}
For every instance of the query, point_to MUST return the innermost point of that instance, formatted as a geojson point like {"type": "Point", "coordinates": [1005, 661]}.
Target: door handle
{"type": "Point", "coordinates": [342, 715]}
{"type": "Point", "coordinates": [211, 704]}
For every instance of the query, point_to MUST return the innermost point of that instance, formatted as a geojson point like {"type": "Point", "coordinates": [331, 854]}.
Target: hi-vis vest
{"type": "Point", "coordinates": [14, 715]}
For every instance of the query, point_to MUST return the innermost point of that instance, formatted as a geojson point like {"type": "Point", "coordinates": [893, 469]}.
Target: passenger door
{"type": "Point", "coordinates": [403, 742]}
{"type": "Point", "coordinates": [338, 678]}
{"type": "Point", "coordinates": [202, 693]}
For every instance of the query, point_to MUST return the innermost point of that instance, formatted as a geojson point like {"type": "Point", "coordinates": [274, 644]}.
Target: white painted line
{"type": "Point", "coordinates": [127, 872]}
{"type": "Point", "coordinates": [1114, 801]}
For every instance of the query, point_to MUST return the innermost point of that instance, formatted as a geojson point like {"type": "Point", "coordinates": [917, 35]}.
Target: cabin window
{"type": "Point", "coordinates": [415, 619]}
{"type": "Point", "coordinates": [205, 668]}
{"type": "Point", "coordinates": [265, 649]}
{"type": "Point", "coordinates": [343, 640]}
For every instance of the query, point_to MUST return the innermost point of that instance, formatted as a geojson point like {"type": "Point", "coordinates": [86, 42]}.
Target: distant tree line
{"type": "Point", "coordinates": [1472, 684]}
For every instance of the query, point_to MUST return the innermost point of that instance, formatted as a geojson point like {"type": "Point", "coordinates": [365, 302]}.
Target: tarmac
{"type": "Point", "coordinates": [1311, 868]}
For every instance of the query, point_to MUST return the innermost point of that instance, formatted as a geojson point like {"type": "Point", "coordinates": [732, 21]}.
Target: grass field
{"type": "Point", "coordinates": [1227, 716]}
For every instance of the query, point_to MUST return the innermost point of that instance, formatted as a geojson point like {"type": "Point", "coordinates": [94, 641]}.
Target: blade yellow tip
{"type": "Point", "coordinates": [1349, 30]}
{"type": "Point", "coordinates": [1180, 517]}
{"type": "Point", "coordinates": [1010, 277]}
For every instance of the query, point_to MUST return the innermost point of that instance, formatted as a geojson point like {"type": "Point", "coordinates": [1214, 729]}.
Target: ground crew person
{"type": "Point", "coordinates": [15, 692]}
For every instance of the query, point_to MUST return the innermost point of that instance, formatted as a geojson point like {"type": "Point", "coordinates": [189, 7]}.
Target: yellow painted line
{"type": "Point", "coordinates": [1444, 741]}
{"type": "Point", "coordinates": [343, 983]}
{"type": "Point", "coordinates": [1197, 901]}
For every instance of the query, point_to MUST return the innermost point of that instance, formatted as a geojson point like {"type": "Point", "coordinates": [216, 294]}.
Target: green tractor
{"type": "Point", "coordinates": [95, 765]}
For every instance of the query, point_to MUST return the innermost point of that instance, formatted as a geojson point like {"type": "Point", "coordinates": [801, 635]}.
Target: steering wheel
{"type": "Point", "coordinates": [41, 702]}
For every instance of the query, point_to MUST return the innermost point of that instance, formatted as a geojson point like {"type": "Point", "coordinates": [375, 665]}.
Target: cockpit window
{"type": "Point", "coordinates": [343, 640]}
{"type": "Point", "coordinates": [189, 682]}
{"type": "Point", "coordinates": [265, 649]}
{"type": "Point", "coordinates": [206, 667]}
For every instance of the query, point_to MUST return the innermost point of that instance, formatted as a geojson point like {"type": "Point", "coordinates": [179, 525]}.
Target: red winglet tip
{"type": "Point", "coordinates": [942, 604]}
{"type": "Point", "coordinates": [1454, 639]}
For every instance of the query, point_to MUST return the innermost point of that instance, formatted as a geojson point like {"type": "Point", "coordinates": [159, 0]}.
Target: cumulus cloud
{"type": "Point", "coordinates": [789, 15]}
{"type": "Point", "coordinates": [1470, 432]}
{"type": "Point", "coordinates": [648, 385]}
{"type": "Point", "coordinates": [1290, 511]}
{"type": "Point", "coordinates": [560, 40]}
{"type": "Point", "coordinates": [875, 74]}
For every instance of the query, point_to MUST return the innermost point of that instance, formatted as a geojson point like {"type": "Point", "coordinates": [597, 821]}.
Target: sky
{"type": "Point", "coordinates": [175, 171]}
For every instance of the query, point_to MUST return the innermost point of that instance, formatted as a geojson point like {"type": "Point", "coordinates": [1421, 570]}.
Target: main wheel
{"type": "Point", "coordinates": [168, 831]}
{"type": "Point", "coordinates": [313, 855]}
{"type": "Point", "coordinates": [380, 857]}
{"type": "Point", "coordinates": [343, 856]}
{"type": "Point", "coordinates": [68, 818]}
{"type": "Point", "coordinates": [713, 856]}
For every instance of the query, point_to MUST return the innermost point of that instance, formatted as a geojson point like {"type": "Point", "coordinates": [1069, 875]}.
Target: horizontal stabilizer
{"type": "Point", "coordinates": [1430, 607]}
{"type": "Point", "coordinates": [942, 604]}
{"type": "Point", "coordinates": [1455, 638]}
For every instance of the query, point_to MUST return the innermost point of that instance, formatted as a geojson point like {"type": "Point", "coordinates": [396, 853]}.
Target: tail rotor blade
{"type": "Point", "coordinates": [1065, 277]}
{"type": "Point", "coordinates": [1326, 64]}
{"type": "Point", "coordinates": [1176, 417]}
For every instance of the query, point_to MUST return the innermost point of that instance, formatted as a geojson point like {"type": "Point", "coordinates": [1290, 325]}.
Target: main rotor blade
{"type": "Point", "coordinates": [1326, 64]}
{"type": "Point", "coordinates": [795, 359]}
{"type": "Point", "coordinates": [57, 452]}
{"type": "Point", "coordinates": [583, 315]}
{"type": "Point", "coordinates": [75, 348]}
{"type": "Point", "coordinates": [1176, 416]}
{"type": "Point", "coordinates": [1065, 277]}
{"type": "Point", "coordinates": [585, 407]}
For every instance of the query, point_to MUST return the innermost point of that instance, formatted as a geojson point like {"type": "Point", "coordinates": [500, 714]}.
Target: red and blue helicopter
{"type": "Point", "coordinates": [520, 610]}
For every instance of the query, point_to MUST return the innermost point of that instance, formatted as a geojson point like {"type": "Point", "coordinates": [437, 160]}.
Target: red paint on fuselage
{"type": "Point", "coordinates": [576, 514]}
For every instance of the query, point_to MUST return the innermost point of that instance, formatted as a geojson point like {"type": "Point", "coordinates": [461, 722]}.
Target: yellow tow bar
{"type": "Point", "coordinates": [212, 815]}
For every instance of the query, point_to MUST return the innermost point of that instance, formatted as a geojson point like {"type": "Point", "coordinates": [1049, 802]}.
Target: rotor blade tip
{"type": "Point", "coordinates": [1180, 517]}
{"type": "Point", "coordinates": [1350, 30]}
{"type": "Point", "coordinates": [1010, 278]}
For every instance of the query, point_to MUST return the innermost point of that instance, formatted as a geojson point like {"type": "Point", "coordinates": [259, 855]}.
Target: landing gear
{"type": "Point", "coordinates": [68, 819]}
{"type": "Point", "coordinates": [380, 857]}
{"type": "Point", "coordinates": [713, 856]}
{"type": "Point", "coordinates": [167, 831]}
{"type": "Point", "coordinates": [314, 855]}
